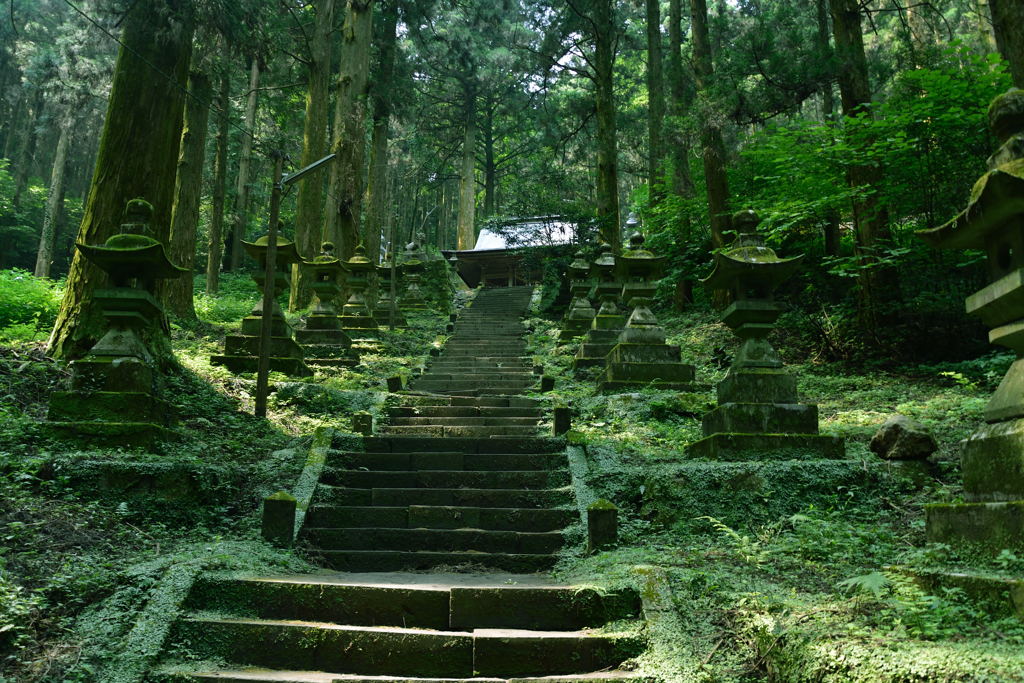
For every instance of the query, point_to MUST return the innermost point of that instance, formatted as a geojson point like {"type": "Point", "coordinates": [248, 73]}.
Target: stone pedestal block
{"type": "Point", "coordinates": [786, 418]}
{"type": "Point", "coordinates": [634, 366]}
{"type": "Point", "coordinates": [993, 463]}
{"type": "Point", "coordinates": [724, 446]}
{"type": "Point", "coordinates": [602, 525]}
{"type": "Point", "coordinates": [757, 385]}
{"type": "Point", "coordinates": [278, 525]}
{"type": "Point", "coordinates": [988, 527]}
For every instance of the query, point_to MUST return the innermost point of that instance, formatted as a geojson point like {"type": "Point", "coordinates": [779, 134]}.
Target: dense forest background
{"type": "Point", "coordinates": [846, 125]}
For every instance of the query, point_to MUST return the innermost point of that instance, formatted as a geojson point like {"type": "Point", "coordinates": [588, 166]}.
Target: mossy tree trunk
{"type": "Point", "coordinates": [603, 26]}
{"type": "Point", "coordinates": [240, 218]}
{"type": "Point", "coordinates": [382, 92]}
{"type": "Point", "coordinates": [466, 222]}
{"type": "Point", "coordinates": [713, 148]}
{"type": "Point", "coordinates": [655, 100]}
{"type": "Point", "coordinates": [55, 196]}
{"type": "Point", "coordinates": [344, 201]}
{"type": "Point", "coordinates": [137, 156]}
{"type": "Point", "coordinates": [681, 98]}
{"type": "Point", "coordinates": [1008, 25]}
{"type": "Point", "coordinates": [177, 294]}
{"type": "Point", "coordinates": [215, 246]}
{"type": "Point", "coordinates": [27, 149]}
{"type": "Point", "coordinates": [310, 201]}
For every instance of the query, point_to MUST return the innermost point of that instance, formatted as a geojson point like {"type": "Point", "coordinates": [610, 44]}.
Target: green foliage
{"type": "Point", "coordinates": [28, 305]}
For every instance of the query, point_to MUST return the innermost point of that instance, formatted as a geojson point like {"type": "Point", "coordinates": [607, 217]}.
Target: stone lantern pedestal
{"type": "Point", "coordinates": [412, 271]}
{"type": "Point", "coordinates": [241, 351]}
{"type": "Point", "coordinates": [991, 518]}
{"type": "Point", "coordinates": [641, 357]}
{"type": "Point", "coordinates": [580, 315]}
{"type": "Point", "coordinates": [356, 317]}
{"type": "Point", "coordinates": [113, 399]}
{"type": "Point", "coordinates": [323, 340]}
{"type": "Point", "coordinates": [759, 415]}
{"type": "Point", "coordinates": [382, 312]}
{"type": "Point", "coordinates": [609, 321]}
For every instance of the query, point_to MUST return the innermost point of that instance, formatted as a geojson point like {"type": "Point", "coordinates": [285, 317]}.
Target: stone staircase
{"type": "Point", "coordinates": [458, 480]}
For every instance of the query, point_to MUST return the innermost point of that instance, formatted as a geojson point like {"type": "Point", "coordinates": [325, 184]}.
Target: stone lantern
{"type": "Point", "coordinates": [991, 518]}
{"type": "Point", "coordinates": [382, 312]}
{"type": "Point", "coordinates": [641, 357]}
{"type": "Point", "coordinates": [323, 339]}
{"type": "Point", "coordinates": [412, 271]}
{"type": "Point", "coordinates": [356, 318]}
{"type": "Point", "coordinates": [113, 398]}
{"type": "Point", "coordinates": [758, 414]}
{"type": "Point", "coordinates": [609, 321]}
{"type": "Point", "coordinates": [241, 351]}
{"type": "Point", "coordinates": [580, 315]}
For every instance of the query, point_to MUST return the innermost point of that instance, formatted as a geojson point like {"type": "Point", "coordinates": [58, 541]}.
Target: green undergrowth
{"type": "Point", "coordinates": [787, 570]}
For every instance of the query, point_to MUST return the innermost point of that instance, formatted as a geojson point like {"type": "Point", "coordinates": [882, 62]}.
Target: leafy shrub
{"type": "Point", "coordinates": [28, 304]}
{"type": "Point", "coordinates": [236, 297]}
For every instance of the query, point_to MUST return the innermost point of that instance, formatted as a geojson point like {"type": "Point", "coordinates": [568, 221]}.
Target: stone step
{"type": "Point", "coordinates": [466, 421]}
{"type": "Point", "coordinates": [480, 376]}
{"type": "Point", "coordinates": [427, 384]}
{"type": "Point", "coordinates": [435, 540]}
{"type": "Point", "coordinates": [484, 498]}
{"type": "Point", "coordinates": [488, 359]}
{"type": "Point", "coordinates": [396, 560]}
{"type": "Point", "coordinates": [471, 392]}
{"type": "Point", "coordinates": [463, 411]}
{"type": "Point", "coordinates": [432, 601]}
{"type": "Point", "coordinates": [411, 444]}
{"type": "Point", "coordinates": [457, 431]}
{"type": "Point", "coordinates": [441, 517]}
{"type": "Point", "coordinates": [492, 479]}
{"type": "Point", "coordinates": [259, 675]}
{"type": "Point", "coordinates": [456, 461]}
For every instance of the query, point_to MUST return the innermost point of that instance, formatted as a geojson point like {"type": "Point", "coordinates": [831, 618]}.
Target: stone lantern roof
{"type": "Point", "coordinates": [285, 254]}
{"type": "Point", "coordinates": [134, 252]}
{"type": "Point", "coordinates": [748, 264]}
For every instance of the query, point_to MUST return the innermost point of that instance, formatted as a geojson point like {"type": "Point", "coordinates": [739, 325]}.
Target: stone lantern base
{"type": "Point", "coordinates": [324, 343]}
{"type": "Point", "coordinates": [241, 351]}
{"type": "Point", "coordinates": [575, 324]}
{"type": "Point", "coordinates": [600, 340]}
{"type": "Point", "coordinates": [635, 366]}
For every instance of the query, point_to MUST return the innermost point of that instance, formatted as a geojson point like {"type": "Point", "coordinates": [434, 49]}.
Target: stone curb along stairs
{"type": "Point", "coordinates": [459, 478]}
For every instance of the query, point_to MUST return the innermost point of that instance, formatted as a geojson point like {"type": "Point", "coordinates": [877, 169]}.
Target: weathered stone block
{"type": "Point", "coordinates": [990, 527]}
{"type": "Point", "coordinates": [1008, 400]}
{"type": "Point", "coordinates": [769, 418]}
{"type": "Point", "coordinates": [111, 373]}
{"type": "Point", "coordinates": [757, 385]}
{"type": "Point", "coordinates": [280, 347]}
{"type": "Point", "coordinates": [900, 438]}
{"type": "Point", "coordinates": [547, 383]}
{"type": "Point", "coordinates": [993, 462]}
{"type": "Point", "coordinates": [362, 423]}
{"type": "Point", "coordinates": [253, 324]}
{"type": "Point", "coordinates": [100, 405]}
{"type": "Point", "coordinates": [602, 525]}
{"type": "Point", "coordinates": [278, 525]}
{"type": "Point", "coordinates": [767, 447]}
{"type": "Point", "coordinates": [561, 421]}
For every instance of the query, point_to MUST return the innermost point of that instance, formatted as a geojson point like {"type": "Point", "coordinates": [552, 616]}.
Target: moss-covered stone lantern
{"type": "Point", "coordinates": [641, 357]}
{"type": "Point", "coordinates": [580, 316]}
{"type": "Point", "coordinates": [323, 340]}
{"type": "Point", "coordinates": [609, 320]}
{"type": "Point", "coordinates": [758, 414]}
{"type": "Point", "coordinates": [114, 389]}
{"type": "Point", "coordinates": [356, 317]}
{"type": "Point", "coordinates": [382, 312]}
{"type": "Point", "coordinates": [241, 351]}
{"type": "Point", "coordinates": [991, 518]}
{"type": "Point", "coordinates": [412, 271]}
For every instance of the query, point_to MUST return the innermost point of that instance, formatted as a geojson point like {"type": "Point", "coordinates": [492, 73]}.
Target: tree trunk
{"type": "Point", "coordinates": [828, 105]}
{"type": "Point", "coordinates": [604, 105]}
{"type": "Point", "coordinates": [13, 125]}
{"type": "Point", "coordinates": [55, 197]}
{"type": "Point", "coordinates": [137, 157]}
{"type": "Point", "coordinates": [466, 226]}
{"type": "Point", "coordinates": [490, 172]}
{"type": "Point", "coordinates": [178, 294]}
{"type": "Point", "coordinates": [1008, 25]}
{"type": "Point", "coordinates": [869, 215]}
{"type": "Point", "coordinates": [985, 37]}
{"type": "Point", "coordinates": [344, 200]}
{"type": "Point", "coordinates": [711, 133]}
{"type": "Point", "coordinates": [240, 219]}
{"type": "Point", "coordinates": [309, 203]}
{"type": "Point", "coordinates": [383, 90]}
{"type": "Point", "coordinates": [215, 246]}
{"type": "Point", "coordinates": [680, 91]}
{"type": "Point", "coordinates": [27, 151]}
{"type": "Point", "coordinates": [656, 101]}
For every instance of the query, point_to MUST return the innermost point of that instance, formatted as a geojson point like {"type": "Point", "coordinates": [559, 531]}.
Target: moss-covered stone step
{"type": "Point", "coordinates": [417, 400]}
{"type": "Point", "coordinates": [463, 411]}
{"type": "Point", "coordinates": [393, 560]}
{"type": "Point", "coordinates": [465, 421]}
{"type": "Point", "coordinates": [446, 461]}
{"type": "Point", "coordinates": [402, 497]}
{"type": "Point", "coordinates": [479, 479]}
{"type": "Point", "coordinates": [441, 517]}
{"type": "Point", "coordinates": [258, 675]}
{"type": "Point", "coordinates": [448, 431]}
{"type": "Point", "coordinates": [508, 652]}
{"type": "Point", "coordinates": [440, 540]}
{"type": "Point", "coordinates": [478, 374]}
{"type": "Point", "coordinates": [428, 384]}
{"type": "Point", "coordinates": [450, 356]}
{"type": "Point", "coordinates": [409, 444]}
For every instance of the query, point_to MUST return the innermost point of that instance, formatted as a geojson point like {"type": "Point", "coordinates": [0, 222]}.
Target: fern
{"type": "Point", "coordinates": [876, 583]}
{"type": "Point", "coordinates": [748, 549]}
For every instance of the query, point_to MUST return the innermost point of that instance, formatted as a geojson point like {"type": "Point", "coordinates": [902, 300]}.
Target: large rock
{"type": "Point", "coordinates": [901, 438]}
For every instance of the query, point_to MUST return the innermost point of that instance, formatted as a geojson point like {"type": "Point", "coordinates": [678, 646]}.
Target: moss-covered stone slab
{"type": "Point", "coordinates": [993, 463]}
{"type": "Point", "coordinates": [397, 560]}
{"type": "Point", "coordinates": [552, 608]}
{"type": "Point", "coordinates": [114, 434]}
{"type": "Point", "coordinates": [767, 447]}
{"type": "Point", "coordinates": [757, 385]}
{"type": "Point", "coordinates": [787, 418]}
{"type": "Point", "coordinates": [998, 595]}
{"type": "Point", "coordinates": [506, 652]}
{"type": "Point", "coordinates": [293, 367]}
{"type": "Point", "coordinates": [71, 406]}
{"type": "Point", "coordinates": [990, 527]}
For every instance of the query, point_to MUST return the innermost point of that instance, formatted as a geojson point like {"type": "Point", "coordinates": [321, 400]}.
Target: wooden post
{"type": "Point", "coordinates": [269, 273]}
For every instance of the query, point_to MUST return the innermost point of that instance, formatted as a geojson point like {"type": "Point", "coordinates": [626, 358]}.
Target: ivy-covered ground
{"type": "Point", "coordinates": [766, 572]}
